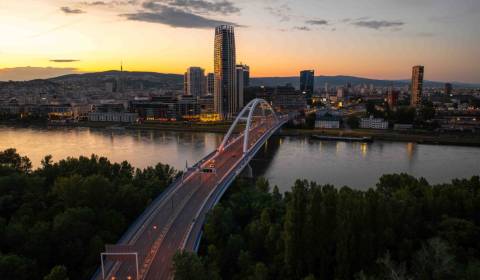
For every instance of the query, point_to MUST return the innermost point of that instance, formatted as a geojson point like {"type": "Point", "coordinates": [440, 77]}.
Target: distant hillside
{"type": "Point", "coordinates": [175, 81]}
{"type": "Point", "coordinates": [131, 79]}
{"type": "Point", "coordinates": [151, 76]}
{"type": "Point", "coordinates": [344, 80]}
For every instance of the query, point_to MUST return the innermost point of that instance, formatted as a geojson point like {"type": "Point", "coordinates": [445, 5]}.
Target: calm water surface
{"type": "Point", "coordinates": [282, 160]}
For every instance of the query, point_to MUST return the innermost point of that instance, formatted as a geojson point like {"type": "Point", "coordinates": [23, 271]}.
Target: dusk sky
{"type": "Point", "coordinates": [368, 38]}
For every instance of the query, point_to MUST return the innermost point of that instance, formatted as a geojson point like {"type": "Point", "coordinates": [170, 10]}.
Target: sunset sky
{"type": "Point", "coordinates": [368, 38]}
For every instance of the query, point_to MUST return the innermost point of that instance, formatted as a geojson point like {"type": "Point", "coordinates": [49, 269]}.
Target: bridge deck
{"type": "Point", "coordinates": [174, 221]}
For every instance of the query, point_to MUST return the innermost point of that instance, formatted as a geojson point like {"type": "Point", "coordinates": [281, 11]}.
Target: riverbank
{"type": "Point", "coordinates": [417, 136]}
{"type": "Point", "coordinates": [174, 126]}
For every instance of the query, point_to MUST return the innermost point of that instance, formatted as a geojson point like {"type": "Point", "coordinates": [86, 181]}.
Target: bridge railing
{"type": "Point", "coordinates": [136, 226]}
{"type": "Point", "coordinates": [217, 193]}
{"type": "Point", "coordinates": [149, 211]}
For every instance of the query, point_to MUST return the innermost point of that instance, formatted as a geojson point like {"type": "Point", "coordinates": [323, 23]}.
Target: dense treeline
{"type": "Point", "coordinates": [404, 228]}
{"type": "Point", "coordinates": [54, 221]}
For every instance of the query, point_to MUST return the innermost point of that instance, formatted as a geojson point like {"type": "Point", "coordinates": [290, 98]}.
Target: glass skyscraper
{"type": "Point", "coordinates": [226, 96]}
{"type": "Point", "coordinates": [243, 80]}
{"type": "Point", "coordinates": [307, 79]}
{"type": "Point", "coordinates": [195, 82]}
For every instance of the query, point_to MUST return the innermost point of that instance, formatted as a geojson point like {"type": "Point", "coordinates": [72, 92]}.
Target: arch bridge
{"type": "Point", "coordinates": [174, 220]}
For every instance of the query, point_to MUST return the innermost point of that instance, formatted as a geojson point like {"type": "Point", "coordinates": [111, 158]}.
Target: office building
{"type": "Point", "coordinates": [242, 75]}
{"type": "Point", "coordinates": [417, 86]}
{"type": "Point", "coordinates": [340, 93]}
{"type": "Point", "coordinates": [448, 88]}
{"type": "Point", "coordinates": [166, 108]}
{"type": "Point", "coordinates": [392, 98]}
{"type": "Point", "coordinates": [307, 80]}
{"type": "Point", "coordinates": [287, 99]}
{"type": "Point", "coordinates": [327, 122]}
{"type": "Point", "coordinates": [262, 92]}
{"type": "Point", "coordinates": [225, 98]}
{"type": "Point", "coordinates": [195, 82]}
{"type": "Point", "coordinates": [120, 117]}
{"type": "Point", "coordinates": [373, 123]}
{"type": "Point", "coordinates": [185, 83]}
{"type": "Point", "coordinates": [246, 75]}
{"type": "Point", "coordinates": [210, 84]}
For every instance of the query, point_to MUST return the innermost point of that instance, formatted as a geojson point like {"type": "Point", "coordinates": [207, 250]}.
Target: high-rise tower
{"type": "Point", "coordinates": [243, 79]}
{"type": "Point", "coordinates": [307, 78]}
{"type": "Point", "coordinates": [195, 81]}
{"type": "Point", "coordinates": [417, 86]}
{"type": "Point", "coordinates": [226, 96]}
{"type": "Point", "coordinates": [210, 84]}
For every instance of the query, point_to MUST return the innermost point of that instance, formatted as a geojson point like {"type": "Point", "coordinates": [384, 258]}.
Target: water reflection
{"type": "Point", "coordinates": [364, 149]}
{"type": "Point", "coordinates": [359, 165]}
{"type": "Point", "coordinates": [281, 159]}
{"type": "Point", "coordinates": [410, 150]}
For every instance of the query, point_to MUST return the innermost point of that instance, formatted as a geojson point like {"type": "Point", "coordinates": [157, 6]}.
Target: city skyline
{"type": "Point", "coordinates": [336, 38]}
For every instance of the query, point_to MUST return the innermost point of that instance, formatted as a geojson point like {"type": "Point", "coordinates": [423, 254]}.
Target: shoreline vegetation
{"type": "Point", "coordinates": [55, 221]}
{"type": "Point", "coordinates": [403, 228]}
{"type": "Point", "coordinates": [417, 136]}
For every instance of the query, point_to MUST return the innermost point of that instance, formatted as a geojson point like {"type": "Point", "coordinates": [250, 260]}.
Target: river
{"type": "Point", "coordinates": [282, 159]}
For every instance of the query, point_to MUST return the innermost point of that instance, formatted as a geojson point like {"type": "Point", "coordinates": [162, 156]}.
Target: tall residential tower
{"type": "Point", "coordinates": [417, 86]}
{"type": "Point", "coordinates": [226, 96]}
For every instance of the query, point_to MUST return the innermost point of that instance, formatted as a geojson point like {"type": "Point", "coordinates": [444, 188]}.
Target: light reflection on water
{"type": "Point", "coordinates": [282, 160]}
{"type": "Point", "coordinates": [359, 165]}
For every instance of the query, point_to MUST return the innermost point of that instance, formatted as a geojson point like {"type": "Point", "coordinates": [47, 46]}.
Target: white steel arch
{"type": "Point", "coordinates": [250, 109]}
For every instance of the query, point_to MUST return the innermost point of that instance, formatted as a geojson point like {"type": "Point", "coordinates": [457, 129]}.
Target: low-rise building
{"type": "Point", "coordinates": [327, 122]}
{"type": "Point", "coordinates": [123, 117]}
{"type": "Point", "coordinates": [402, 126]}
{"type": "Point", "coordinates": [286, 99]}
{"type": "Point", "coordinates": [167, 108]}
{"type": "Point", "coordinates": [373, 123]}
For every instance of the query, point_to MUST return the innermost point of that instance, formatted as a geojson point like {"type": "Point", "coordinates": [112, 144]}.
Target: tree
{"type": "Point", "coordinates": [15, 267]}
{"type": "Point", "coordinates": [404, 115]}
{"type": "Point", "coordinates": [188, 266]}
{"type": "Point", "coordinates": [58, 272]}
{"type": "Point", "coordinates": [434, 261]}
{"type": "Point", "coordinates": [295, 231]}
{"type": "Point", "coordinates": [260, 273]}
{"type": "Point", "coordinates": [10, 158]}
{"type": "Point", "coordinates": [427, 111]}
{"type": "Point", "coordinates": [65, 212]}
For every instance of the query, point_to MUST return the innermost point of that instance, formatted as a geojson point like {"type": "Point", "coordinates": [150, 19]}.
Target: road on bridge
{"type": "Point", "coordinates": [167, 229]}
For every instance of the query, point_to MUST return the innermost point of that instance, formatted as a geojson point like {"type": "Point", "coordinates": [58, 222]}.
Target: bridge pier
{"type": "Point", "coordinates": [247, 172]}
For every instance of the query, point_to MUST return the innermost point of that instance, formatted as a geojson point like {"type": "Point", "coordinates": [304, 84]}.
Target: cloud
{"type": "Point", "coordinates": [426, 34]}
{"type": "Point", "coordinates": [175, 18]}
{"type": "Point", "coordinates": [378, 24]}
{"type": "Point", "coordinates": [109, 3]}
{"type": "Point", "coordinates": [317, 22]}
{"type": "Point", "coordinates": [63, 60]}
{"type": "Point", "coordinates": [282, 12]}
{"type": "Point", "coordinates": [31, 73]}
{"type": "Point", "coordinates": [199, 6]}
{"type": "Point", "coordinates": [302, 28]}
{"type": "Point", "coordinates": [96, 3]}
{"type": "Point", "coordinates": [69, 10]}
